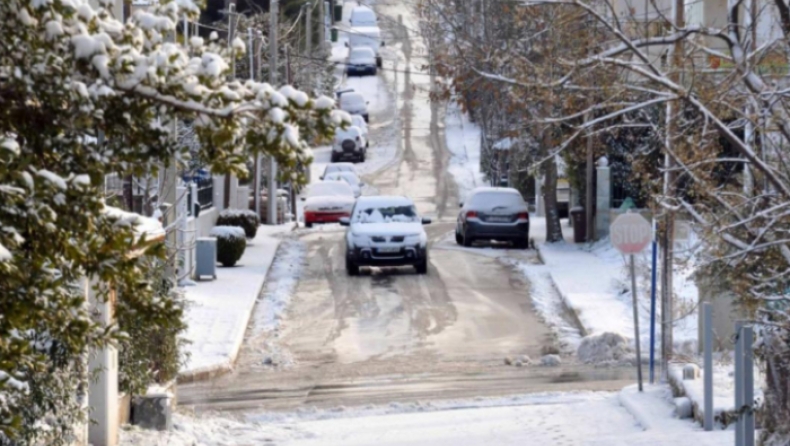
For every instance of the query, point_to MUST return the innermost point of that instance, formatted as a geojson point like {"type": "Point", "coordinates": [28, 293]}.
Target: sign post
{"type": "Point", "coordinates": [630, 233]}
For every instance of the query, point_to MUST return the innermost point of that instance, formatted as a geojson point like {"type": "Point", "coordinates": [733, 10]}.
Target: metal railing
{"type": "Point", "coordinates": [205, 194]}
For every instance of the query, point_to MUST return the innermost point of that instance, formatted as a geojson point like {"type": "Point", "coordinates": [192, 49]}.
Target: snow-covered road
{"type": "Point", "coordinates": [343, 340]}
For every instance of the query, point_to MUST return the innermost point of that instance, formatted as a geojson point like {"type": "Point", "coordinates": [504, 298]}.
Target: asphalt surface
{"type": "Point", "coordinates": [390, 335]}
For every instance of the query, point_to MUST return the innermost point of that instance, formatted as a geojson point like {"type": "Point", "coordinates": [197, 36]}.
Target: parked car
{"type": "Point", "coordinates": [362, 16]}
{"type": "Point", "coordinates": [349, 178]}
{"type": "Point", "coordinates": [493, 213]}
{"type": "Point", "coordinates": [370, 37]}
{"type": "Point", "coordinates": [385, 231]}
{"type": "Point", "coordinates": [361, 60]}
{"type": "Point", "coordinates": [339, 167]}
{"type": "Point", "coordinates": [349, 144]}
{"type": "Point", "coordinates": [359, 121]}
{"type": "Point", "coordinates": [327, 202]}
{"type": "Point", "coordinates": [354, 103]}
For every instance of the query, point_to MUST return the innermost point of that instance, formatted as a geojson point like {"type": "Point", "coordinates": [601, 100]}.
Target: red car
{"type": "Point", "coordinates": [327, 202]}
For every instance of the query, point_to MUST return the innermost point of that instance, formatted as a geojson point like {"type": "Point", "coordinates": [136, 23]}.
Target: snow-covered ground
{"type": "Point", "coordinates": [218, 310]}
{"type": "Point", "coordinates": [583, 418]}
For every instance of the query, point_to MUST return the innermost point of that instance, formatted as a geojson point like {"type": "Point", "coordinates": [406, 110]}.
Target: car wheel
{"type": "Point", "coordinates": [422, 268]}
{"type": "Point", "coordinates": [521, 243]}
{"type": "Point", "coordinates": [366, 117]}
{"type": "Point", "coordinates": [333, 158]}
{"type": "Point", "coordinates": [468, 240]}
{"type": "Point", "coordinates": [374, 71]}
{"type": "Point", "coordinates": [378, 61]}
{"type": "Point", "coordinates": [308, 224]}
{"type": "Point", "coordinates": [351, 268]}
{"type": "Point", "coordinates": [458, 239]}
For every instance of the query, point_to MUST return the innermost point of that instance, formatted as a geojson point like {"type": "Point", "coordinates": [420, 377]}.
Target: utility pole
{"type": "Point", "coordinates": [271, 214]}
{"type": "Point", "coordinates": [589, 197]}
{"type": "Point", "coordinates": [231, 35]}
{"type": "Point", "coordinates": [255, 61]}
{"type": "Point", "coordinates": [668, 237]}
{"type": "Point", "coordinates": [308, 26]}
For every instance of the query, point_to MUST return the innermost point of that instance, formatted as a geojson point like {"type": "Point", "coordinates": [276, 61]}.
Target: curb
{"type": "Point", "coordinates": [582, 329]}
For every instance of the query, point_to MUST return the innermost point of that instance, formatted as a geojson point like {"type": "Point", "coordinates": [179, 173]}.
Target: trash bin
{"type": "Point", "coordinates": [579, 225]}
{"type": "Point", "coordinates": [334, 34]}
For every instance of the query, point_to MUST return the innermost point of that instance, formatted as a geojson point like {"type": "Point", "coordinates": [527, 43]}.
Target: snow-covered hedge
{"type": "Point", "coordinates": [231, 243]}
{"type": "Point", "coordinates": [243, 218]}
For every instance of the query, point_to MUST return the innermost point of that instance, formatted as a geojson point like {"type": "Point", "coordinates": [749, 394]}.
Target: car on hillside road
{"type": "Point", "coordinates": [362, 16]}
{"type": "Point", "coordinates": [349, 178]}
{"type": "Point", "coordinates": [493, 213]}
{"type": "Point", "coordinates": [339, 167]}
{"type": "Point", "coordinates": [327, 202]}
{"type": "Point", "coordinates": [361, 61]}
{"type": "Point", "coordinates": [349, 143]}
{"type": "Point", "coordinates": [385, 231]}
{"type": "Point", "coordinates": [354, 103]}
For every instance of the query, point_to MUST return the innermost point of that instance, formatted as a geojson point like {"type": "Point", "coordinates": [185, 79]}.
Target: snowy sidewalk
{"type": "Point", "coordinates": [218, 311]}
{"type": "Point", "coordinates": [585, 283]}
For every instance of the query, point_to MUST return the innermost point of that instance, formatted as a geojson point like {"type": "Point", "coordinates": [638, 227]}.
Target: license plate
{"type": "Point", "coordinates": [499, 219]}
{"type": "Point", "coordinates": [382, 250]}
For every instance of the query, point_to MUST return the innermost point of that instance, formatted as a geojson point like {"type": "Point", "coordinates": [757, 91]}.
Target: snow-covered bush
{"type": "Point", "coordinates": [84, 95]}
{"type": "Point", "coordinates": [243, 218]}
{"type": "Point", "coordinates": [231, 243]}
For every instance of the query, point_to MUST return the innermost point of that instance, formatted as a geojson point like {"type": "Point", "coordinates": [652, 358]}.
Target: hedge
{"type": "Point", "coordinates": [231, 243]}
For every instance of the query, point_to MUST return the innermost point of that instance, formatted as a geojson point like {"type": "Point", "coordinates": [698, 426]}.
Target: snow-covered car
{"type": "Point", "coordinates": [362, 16]}
{"type": "Point", "coordinates": [359, 121]}
{"type": "Point", "coordinates": [354, 103]}
{"type": "Point", "coordinates": [493, 213]}
{"type": "Point", "coordinates": [339, 167]}
{"type": "Point", "coordinates": [349, 178]}
{"type": "Point", "coordinates": [327, 202]}
{"type": "Point", "coordinates": [369, 36]}
{"type": "Point", "coordinates": [361, 60]}
{"type": "Point", "coordinates": [349, 144]}
{"type": "Point", "coordinates": [385, 231]}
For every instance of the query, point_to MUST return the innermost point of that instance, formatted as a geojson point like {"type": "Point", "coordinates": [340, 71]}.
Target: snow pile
{"type": "Point", "coordinates": [228, 232]}
{"type": "Point", "coordinates": [280, 286]}
{"type": "Point", "coordinates": [604, 347]}
{"type": "Point", "coordinates": [550, 361]}
{"type": "Point", "coordinates": [519, 361]}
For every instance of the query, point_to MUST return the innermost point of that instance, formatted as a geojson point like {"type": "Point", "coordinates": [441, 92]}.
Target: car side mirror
{"type": "Point", "coordinates": [383, 43]}
{"type": "Point", "coordinates": [361, 184]}
{"type": "Point", "coordinates": [346, 44]}
{"type": "Point", "coordinates": [304, 198]}
{"type": "Point", "coordinates": [344, 221]}
{"type": "Point", "coordinates": [426, 221]}
{"type": "Point", "coordinates": [367, 102]}
{"type": "Point", "coordinates": [320, 178]}
{"type": "Point", "coordinates": [460, 205]}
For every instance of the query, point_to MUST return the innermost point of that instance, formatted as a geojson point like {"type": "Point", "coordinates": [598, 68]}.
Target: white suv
{"type": "Point", "coordinates": [385, 231]}
{"type": "Point", "coordinates": [349, 144]}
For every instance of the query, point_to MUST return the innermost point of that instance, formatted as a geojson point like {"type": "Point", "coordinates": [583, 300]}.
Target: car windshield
{"type": "Point", "coordinates": [492, 200]}
{"type": "Point", "coordinates": [338, 168]}
{"type": "Point", "coordinates": [362, 53]}
{"type": "Point", "coordinates": [330, 188]}
{"type": "Point", "coordinates": [352, 100]}
{"type": "Point", "coordinates": [348, 177]}
{"type": "Point", "coordinates": [386, 214]}
{"type": "Point", "coordinates": [349, 133]}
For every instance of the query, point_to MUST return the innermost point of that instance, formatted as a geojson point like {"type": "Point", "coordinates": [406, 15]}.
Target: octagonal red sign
{"type": "Point", "coordinates": [630, 233]}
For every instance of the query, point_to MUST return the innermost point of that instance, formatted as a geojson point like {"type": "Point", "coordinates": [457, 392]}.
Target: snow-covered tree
{"type": "Point", "coordinates": [722, 90]}
{"type": "Point", "coordinates": [83, 95]}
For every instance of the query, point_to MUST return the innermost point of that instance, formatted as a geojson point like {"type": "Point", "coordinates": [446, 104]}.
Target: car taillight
{"type": "Point", "coordinates": [471, 214]}
{"type": "Point", "coordinates": [523, 216]}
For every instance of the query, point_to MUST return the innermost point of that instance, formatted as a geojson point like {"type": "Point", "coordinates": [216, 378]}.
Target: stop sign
{"type": "Point", "coordinates": [630, 233]}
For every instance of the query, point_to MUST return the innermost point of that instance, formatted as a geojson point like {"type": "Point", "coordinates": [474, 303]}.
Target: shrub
{"type": "Point", "coordinates": [243, 218]}
{"type": "Point", "coordinates": [231, 244]}
{"type": "Point", "coordinates": [151, 346]}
